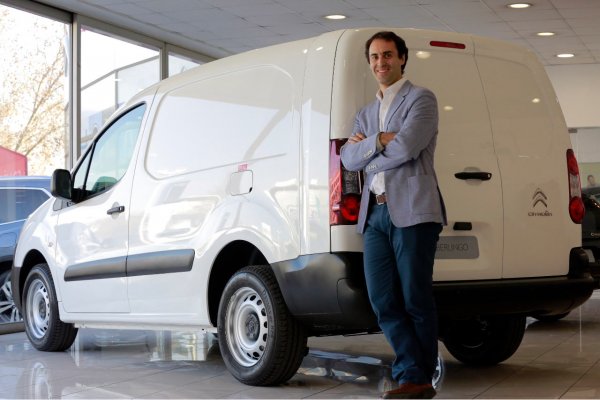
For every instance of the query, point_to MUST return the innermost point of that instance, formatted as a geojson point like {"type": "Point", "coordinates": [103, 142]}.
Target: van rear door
{"type": "Point", "coordinates": [471, 245]}
{"type": "Point", "coordinates": [531, 141]}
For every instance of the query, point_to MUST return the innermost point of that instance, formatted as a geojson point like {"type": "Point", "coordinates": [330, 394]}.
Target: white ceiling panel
{"type": "Point", "coordinates": [586, 13]}
{"type": "Point", "coordinates": [221, 27]}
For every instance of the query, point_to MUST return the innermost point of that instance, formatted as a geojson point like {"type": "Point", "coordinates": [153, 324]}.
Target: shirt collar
{"type": "Point", "coordinates": [391, 91]}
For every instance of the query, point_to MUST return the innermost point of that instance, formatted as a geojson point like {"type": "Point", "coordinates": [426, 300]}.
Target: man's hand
{"type": "Point", "coordinates": [356, 138]}
{"type": "Point", "coordinates": [386, 137]}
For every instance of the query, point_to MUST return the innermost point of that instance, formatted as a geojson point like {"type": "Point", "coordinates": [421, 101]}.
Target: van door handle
{"type": "Point", "coordinates": [482, 176]}
{"type": "Point", "coordinates": [115, 210]}
{"type": "Point", "coordinates": [462, 226]}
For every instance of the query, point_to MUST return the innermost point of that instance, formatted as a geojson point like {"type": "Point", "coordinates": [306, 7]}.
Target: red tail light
{"type": "Point", "coordinates": [344, 188]}
{"type": "Point", "coordinates": [576, 207]}
{"type": "Point", "coordinates": [449, 45]}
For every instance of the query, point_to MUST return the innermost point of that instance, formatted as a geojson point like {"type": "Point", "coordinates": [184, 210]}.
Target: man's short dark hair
{"type": "Point", "coordinates": [389, 37]}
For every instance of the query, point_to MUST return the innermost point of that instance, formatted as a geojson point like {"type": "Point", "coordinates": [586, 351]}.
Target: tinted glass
{"type": "Point", "coordinates": [109, 158]}
{"type": "Point", "coordinates": [17, 204]}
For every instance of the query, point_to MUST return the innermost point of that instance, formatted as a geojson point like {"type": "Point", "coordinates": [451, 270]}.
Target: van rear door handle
{"type": "Point", "coordinates": [462, 226]}
{"type": "Point", "coordinates": [115, 210]}
{"type": "Point", "coordinates": [482, 176]}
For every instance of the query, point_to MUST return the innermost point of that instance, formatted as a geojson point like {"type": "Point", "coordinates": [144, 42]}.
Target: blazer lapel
{"type": "Point", "coordinates": [398, 100]}
{"type": "Point", "coordinates": [374, 116]}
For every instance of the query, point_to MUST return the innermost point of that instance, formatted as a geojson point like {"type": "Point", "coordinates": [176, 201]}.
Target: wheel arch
{"type": "Point", "coordinates": [233, 257]}
{"type": "Point", "coordinates": [32, 258]}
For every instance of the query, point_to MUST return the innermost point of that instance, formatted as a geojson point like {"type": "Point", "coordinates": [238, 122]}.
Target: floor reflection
{"type": "Point", "coordinates": [556, 360]}
{"type": "Point", "coordinates": [100, 361]}
{"type": "Point", "coordinates": [158, 346]}
{"type": "Point", "coordinates": [346, 368]}
{"type": "Point", "coordinates": [358, 369]}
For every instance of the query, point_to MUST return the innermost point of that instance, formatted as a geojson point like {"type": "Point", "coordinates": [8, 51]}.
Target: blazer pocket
{"type": "Point", "coordinates": [424, 195]}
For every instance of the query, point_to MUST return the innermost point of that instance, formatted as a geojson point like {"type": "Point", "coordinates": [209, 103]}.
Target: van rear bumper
{"type": "Point", "coordinates": [531, 296]}
{"type": "Point", "coordinates": [327, 293]}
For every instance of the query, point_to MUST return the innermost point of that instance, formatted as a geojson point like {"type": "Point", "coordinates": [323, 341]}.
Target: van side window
{"type": "Point", "coordinates": [109, 156]}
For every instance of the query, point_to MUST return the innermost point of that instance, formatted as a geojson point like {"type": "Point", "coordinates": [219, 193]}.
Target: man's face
{"type": "Point", "coordinates": [385, 63]}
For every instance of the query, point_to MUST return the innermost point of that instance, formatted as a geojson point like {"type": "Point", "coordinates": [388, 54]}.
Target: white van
{"type": "Point", "coordinates": [215, 200]}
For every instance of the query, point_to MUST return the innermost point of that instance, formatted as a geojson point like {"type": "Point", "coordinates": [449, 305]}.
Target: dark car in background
{"type": "Point", "coordinates": [590, 229]}
{"type": "Point", "coordinates": [19, 197]}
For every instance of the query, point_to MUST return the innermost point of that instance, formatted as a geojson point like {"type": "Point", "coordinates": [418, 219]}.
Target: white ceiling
{"type": "Point", "coordinates": [219, 28]}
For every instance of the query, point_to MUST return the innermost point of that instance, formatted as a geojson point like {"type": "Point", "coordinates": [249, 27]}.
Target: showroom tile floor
{"type": "Point", "coordinates": [556, 360]}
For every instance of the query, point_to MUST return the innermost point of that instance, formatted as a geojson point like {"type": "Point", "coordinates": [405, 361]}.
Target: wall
{"type": "Point", "coordinates": [578, 91]}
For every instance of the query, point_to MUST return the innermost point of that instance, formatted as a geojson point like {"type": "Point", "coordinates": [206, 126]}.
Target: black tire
{"type": "Point", "coordinates": [550, 318]}
{"type": "Point", "coordinates": [260, 342]}
{"type": "Point", "coordinates": [9, 313]}
{"type": "Point", "coordinates": [485, 340]}
{"type": "Point", "coordinates": [43, 326]}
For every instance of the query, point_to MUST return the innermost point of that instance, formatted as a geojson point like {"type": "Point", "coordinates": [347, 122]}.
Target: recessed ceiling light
{"type": "Point", "coordinates": [335, 16]}
{"type": "Point", "coordinates": [519, 5]}
{"type": "Point", "coordinates": [545, 33]}
{"type": "Point", "coordinates": [565, 55]}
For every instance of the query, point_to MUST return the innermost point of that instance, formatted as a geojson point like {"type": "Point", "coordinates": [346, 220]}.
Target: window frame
{"type": "Point", "coordinates": [86, 160]}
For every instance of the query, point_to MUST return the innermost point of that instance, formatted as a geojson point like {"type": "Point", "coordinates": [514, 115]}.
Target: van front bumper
{"type": "Point", "coordinates": [327, 293]}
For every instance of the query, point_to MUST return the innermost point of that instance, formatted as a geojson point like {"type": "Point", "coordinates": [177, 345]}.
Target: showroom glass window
{"type": "Point", "coordinates": [179, 63]}
{"type": "Point", "coordinates": [34, 88]}
{"type": "Point", "coordinates": [108, 159]}
{"type": "Point", "coordinates": [112, 71]}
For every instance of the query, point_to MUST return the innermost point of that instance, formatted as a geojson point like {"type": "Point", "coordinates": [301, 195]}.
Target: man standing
{"type": "Point", "coordinates": [401, 213]}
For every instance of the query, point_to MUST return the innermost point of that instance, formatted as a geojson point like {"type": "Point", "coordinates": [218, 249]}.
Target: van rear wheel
{"type": "Point", "coordinates": [550, 318]}
{"type": "Point", "coordinates": [261, 343]}
{"type": "Point", "coordinates": [485, 340]}
{"type": "Point", "coordinates": [43, 326]}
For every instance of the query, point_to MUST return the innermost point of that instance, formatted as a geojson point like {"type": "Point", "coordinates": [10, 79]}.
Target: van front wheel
{"type": "Point", "coordinates": [261, 343]}
{"type": "Point", "coordinates": [485, 340]}
{"type": "Point", "coordinates": [43, 326]}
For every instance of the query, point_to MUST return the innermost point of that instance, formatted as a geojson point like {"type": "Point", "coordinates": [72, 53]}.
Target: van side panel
{"type": "Point", "coordinates": [222, 121]}
{"type": "Point", "coordinates": [221, 165]}
{"type": "Point", "coordinates": [531, 145]}
{"type": "Point", "coordinates": [316, 128]}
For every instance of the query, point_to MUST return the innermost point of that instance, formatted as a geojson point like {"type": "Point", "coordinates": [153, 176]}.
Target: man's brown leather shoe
{"type": "Point", "coordinates": [411, 391]}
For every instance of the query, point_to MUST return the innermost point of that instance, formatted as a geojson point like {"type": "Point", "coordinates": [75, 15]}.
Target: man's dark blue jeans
{"type": "Point", "coordinates": [398, 269]}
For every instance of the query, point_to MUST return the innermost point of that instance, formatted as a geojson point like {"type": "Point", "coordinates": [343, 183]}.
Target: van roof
{"type": "Point", "coordinates": [416, 39]}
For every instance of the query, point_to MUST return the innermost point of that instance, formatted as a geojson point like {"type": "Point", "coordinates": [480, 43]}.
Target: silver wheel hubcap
{"type": "Point", "coordinates": [8, 310]}
{"type": "Point", "coordinates": [247, 326]}
{"type": "Point", "coordinates": [38, 309]}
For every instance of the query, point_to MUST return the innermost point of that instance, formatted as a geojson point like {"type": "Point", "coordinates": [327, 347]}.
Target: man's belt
{"type": "Point", "coordinates": [379, 198]}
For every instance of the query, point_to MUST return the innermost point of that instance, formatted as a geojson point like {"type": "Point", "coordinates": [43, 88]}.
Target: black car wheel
{"type": "Point", "coordinates": [43, 326]}
{"type": "Point", "coordinates": [550, 318]}
{"type": "Point", "coordinates": [485, 340]}
{"type": "Point", "coordinates": [261, 343]}
{"type": "Point", "coordinates": [8, 311]}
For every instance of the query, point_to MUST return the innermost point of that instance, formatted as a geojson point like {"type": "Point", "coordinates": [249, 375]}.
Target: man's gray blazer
{"type": "Point", "coordinates": [411, 186]}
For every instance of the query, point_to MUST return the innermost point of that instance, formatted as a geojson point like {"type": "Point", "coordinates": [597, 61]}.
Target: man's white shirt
{"type": "Point", "coordinates": [385, 101]}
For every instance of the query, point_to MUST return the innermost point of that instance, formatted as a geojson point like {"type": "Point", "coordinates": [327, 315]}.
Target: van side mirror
{"type": "Point", "coordinates": [60, 185]}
